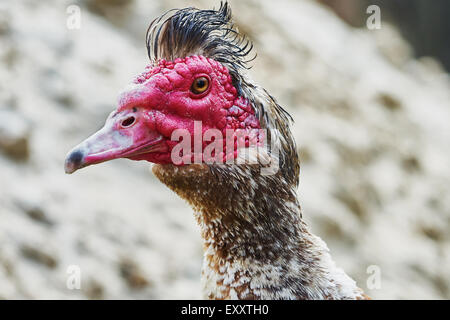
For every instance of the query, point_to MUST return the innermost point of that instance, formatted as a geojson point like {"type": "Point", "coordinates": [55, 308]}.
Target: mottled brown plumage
{"type": "Point", "coordinates": [256, 244]}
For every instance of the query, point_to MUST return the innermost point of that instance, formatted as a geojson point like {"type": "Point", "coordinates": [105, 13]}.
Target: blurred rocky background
{"type": "Point", "coordinates": [371, 110]}
{"type": "Point", "coordinates": [424, 24]}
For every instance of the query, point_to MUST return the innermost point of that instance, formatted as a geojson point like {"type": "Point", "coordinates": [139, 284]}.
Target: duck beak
{"type": "Point", "coordinates": [113, 142]}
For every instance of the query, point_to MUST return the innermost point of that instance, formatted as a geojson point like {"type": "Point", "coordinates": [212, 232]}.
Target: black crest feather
{"type": "Point", "coordinates": [211, 33]}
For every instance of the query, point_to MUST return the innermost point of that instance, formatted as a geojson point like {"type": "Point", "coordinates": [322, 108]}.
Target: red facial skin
{"type": "Point", "coordinates": [159, 101]}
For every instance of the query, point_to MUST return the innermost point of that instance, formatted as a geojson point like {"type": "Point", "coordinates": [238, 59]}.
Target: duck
{"type": "Point", "coordinates": [222, 143]}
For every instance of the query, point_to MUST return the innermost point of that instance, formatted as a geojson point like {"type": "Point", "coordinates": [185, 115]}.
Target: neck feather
{"type": "Point", "coordinates": [256, 245]}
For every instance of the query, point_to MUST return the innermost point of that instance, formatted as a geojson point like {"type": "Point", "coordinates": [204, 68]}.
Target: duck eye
{"type": "Point", "coordinates": [200, 85]}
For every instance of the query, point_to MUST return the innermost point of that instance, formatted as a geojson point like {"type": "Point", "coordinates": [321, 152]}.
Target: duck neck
{"type": "Point", "coordinates": [256, 244]}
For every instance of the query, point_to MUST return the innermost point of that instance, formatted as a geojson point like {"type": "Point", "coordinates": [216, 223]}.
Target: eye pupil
{"type": "Point", "coordinates": [200, 85]}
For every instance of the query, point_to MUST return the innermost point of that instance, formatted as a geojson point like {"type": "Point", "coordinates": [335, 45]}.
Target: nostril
{"type": "Point", "coordinates": [128, 122]}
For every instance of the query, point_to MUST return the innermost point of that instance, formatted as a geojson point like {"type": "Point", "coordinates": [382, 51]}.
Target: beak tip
{"type": "Point", "coordinates": [68, 169]}
{"type": "Point", "coordinates": [74, 161]}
